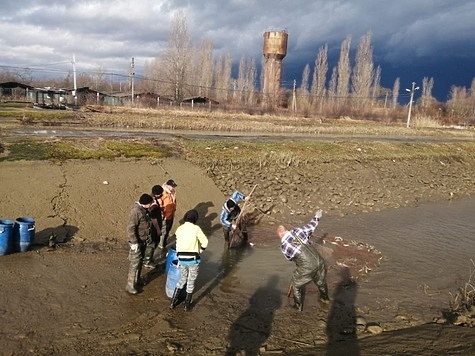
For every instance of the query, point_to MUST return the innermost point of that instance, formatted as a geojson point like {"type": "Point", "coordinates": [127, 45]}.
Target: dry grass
{"type": "Point", "coordinates": [355, 139]}
{"type": "Point", "coordinates": [295, 153]}
{"type": "Point", "coordinates": [464, 299]}
{"type": "Point", "coordinates": [186, 119]}
{"type": "Point", "coordinates": [424, 121]}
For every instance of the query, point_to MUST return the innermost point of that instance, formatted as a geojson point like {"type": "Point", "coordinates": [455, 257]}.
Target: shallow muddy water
{"type": "Point", "coordinates": [426, 249]}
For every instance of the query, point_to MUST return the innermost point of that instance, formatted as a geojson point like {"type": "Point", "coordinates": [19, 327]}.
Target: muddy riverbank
{"type": "Point", "coordinates": [71, 300]}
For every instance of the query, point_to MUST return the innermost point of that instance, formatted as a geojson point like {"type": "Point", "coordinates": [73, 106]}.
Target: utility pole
{"type": "Point", "coordinates": [410, 102]}
{"type": "Point", "coordinates": [294, 99]}
{"type": "Point", "coordinates": [74, 81]}
{"type": "Point", "coordinates": [132, 73]}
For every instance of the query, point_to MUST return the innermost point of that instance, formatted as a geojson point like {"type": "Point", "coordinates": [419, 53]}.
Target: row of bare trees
{"type": "Point", "coordinates": [183, 70]}
{"type": "Point", "coordinates": [461, 103]}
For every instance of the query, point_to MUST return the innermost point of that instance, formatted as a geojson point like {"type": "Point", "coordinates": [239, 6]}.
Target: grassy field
{"type": "Point", "coordinates": [353, 139]}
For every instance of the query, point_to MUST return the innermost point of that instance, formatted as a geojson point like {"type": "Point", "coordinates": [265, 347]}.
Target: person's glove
{"type": "Point", "coordinates": [233, 226]}
{"type": "Point", "coordinates": [318, 214]}
{"type": "Point", "coordinates": [247, 198]}
{"type": "Point", "coordinates": [134, 247]}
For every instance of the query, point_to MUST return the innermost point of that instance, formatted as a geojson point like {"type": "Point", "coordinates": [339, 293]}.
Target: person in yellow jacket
{"type": "Point", "coordinates": [190, 244]}
{"type": "Point", "coordinates": [168, 204]}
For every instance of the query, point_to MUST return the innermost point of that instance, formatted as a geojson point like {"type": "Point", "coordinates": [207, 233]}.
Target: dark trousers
{"type": "Point", "coordinates": [166, 228]}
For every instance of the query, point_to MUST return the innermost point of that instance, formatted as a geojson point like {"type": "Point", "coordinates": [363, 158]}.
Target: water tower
{"type": "Point", "coordinates": [275, 49]}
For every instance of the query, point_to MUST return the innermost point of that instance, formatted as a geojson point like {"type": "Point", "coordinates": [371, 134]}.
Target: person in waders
{"type": "Point", "coordinates": [229, 213]}
{"type": "Point", "coordinates": [190, 244]}
{"type": "Point", "coordinates": [156, 229]}
{"type": "Point", "coordinates": [296, 247]}
{"type": "Point", "coordinates": [138, 231]}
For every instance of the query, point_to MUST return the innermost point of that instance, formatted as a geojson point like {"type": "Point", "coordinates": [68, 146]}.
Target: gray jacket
{"type": "Point", "coordinates": [139, 224]}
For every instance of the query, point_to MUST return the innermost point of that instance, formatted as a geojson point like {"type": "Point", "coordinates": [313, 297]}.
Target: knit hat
{"type": "Point", "coordinates": [157, 190]}
{"type": "Point", "coordinates": [230, 204]}
{"type": "Point", "coordinates": [145, 199]}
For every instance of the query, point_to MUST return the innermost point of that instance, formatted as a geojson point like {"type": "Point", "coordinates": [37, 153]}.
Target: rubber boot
{"type": "Point", "coordinates": [297, 298]}
{"type": "Point", "coordinates": [133, 276]}
{"type": "Point", "coordinates": [324, 295]}
{"type": "Point", "coordinates": [188, 301]}
{"type": "Point", "coordinates": [175, 298]}
{"type": "Point", "coordinates": [130, 287]}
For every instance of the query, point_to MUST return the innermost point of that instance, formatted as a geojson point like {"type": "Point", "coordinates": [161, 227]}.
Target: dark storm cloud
{"type": "Point", "coordinates": [108, 33]}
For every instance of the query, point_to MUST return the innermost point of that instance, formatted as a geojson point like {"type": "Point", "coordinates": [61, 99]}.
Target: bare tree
{"type": "Point", "coordinates": [343, 71]}
{"type": "Point", "coordinates": [396, 86]}
{"type": "Point", "coordinates": [362, 76]}
{"type": "Point", "coordinates": [176, 60]}
{"type": "Point", "coordinates": [376, 86]}
{"type": "Point", "coordinates": [241, 80]}
{"type": "Point", "coordinates": [303, 92]}
{"type": "Point", "coordinates": [151, 76]}
{"type": "Point", "coordinates": [99, 78]}
{"type": "Point", "coordinates": [426, 96]}
{"type": "Point", "coordinates": [251, 80]}
{"type": "Point", "coordinates": [461, 102]}
{"type": "Point", "coordinates": [222, 77]}
{"type": "Point", "coordinates": [205, 67]}
{"type": "Point", "coordinates": [245, 81]}
{"type": "Point", "coordinates": [332, 87]}
{"type": "Point", "coordinates": [23, 75]}
{"type": "Point", "coordinates": [319, 75]}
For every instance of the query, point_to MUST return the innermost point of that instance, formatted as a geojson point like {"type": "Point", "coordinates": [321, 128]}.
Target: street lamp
{"type": "Point", "coordinates": [410, 102]}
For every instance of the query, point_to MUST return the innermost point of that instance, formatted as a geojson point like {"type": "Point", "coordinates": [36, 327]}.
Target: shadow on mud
{"type": "Point", "coordinates": [253, 327]}
{"type": "Point", "coordinates": [53, 235]}
{"type": "Point", "coordinates": [341, 323]}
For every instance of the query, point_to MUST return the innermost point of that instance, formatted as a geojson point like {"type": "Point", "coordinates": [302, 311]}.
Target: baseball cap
{"type": "Point", "coordinates": [171, 183]}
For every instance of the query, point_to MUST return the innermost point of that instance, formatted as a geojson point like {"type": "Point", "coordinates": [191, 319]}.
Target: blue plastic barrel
{"type": "Point", "coordinates": [24, 232]}
{"type": "Point", "coordinates": [173, 277]}
{"type": "Point", "coordinates": [171, 256]}
{"type": "Point", "coordinates": [6, 236]}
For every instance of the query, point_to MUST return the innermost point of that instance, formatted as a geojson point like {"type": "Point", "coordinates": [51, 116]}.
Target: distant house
{"type": "Point", "coordinates": [50, 98]}
{"type": "Point", "coordinates": [200, 100]}
{"type": "Point", "coordinates": [86, 96]}
{"type": "Point", "coordinates": [152, 100]}
{"type": "Point", "coordinates": [44, 97]}
{"type": "Point", "coordinates": [15, 90]}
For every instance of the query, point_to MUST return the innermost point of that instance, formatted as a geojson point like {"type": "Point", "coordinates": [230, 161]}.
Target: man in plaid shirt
{"type": "Point", "coordinates": [295, 246]}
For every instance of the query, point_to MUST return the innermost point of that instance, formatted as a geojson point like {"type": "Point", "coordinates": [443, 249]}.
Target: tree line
{"type": "Point", "coordinates": [183, 70]}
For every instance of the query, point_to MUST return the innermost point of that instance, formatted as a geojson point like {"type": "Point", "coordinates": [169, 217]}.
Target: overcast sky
{"type": "Point", "coordinates": [412, 39]}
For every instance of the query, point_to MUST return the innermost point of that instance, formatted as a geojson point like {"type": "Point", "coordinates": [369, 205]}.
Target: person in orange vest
{"type": "Point", "coordinates": [168, 204]}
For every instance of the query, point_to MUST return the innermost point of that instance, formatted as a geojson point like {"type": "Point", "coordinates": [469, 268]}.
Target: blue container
{"type": "Point", "coordinates": [173, 277]}
{"type": "Point", "coordinates": [24, 229]}
{"type": "Point", "coordinates": [6, 236]}
{"type": "Point", "coordinates": [171, 256]}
